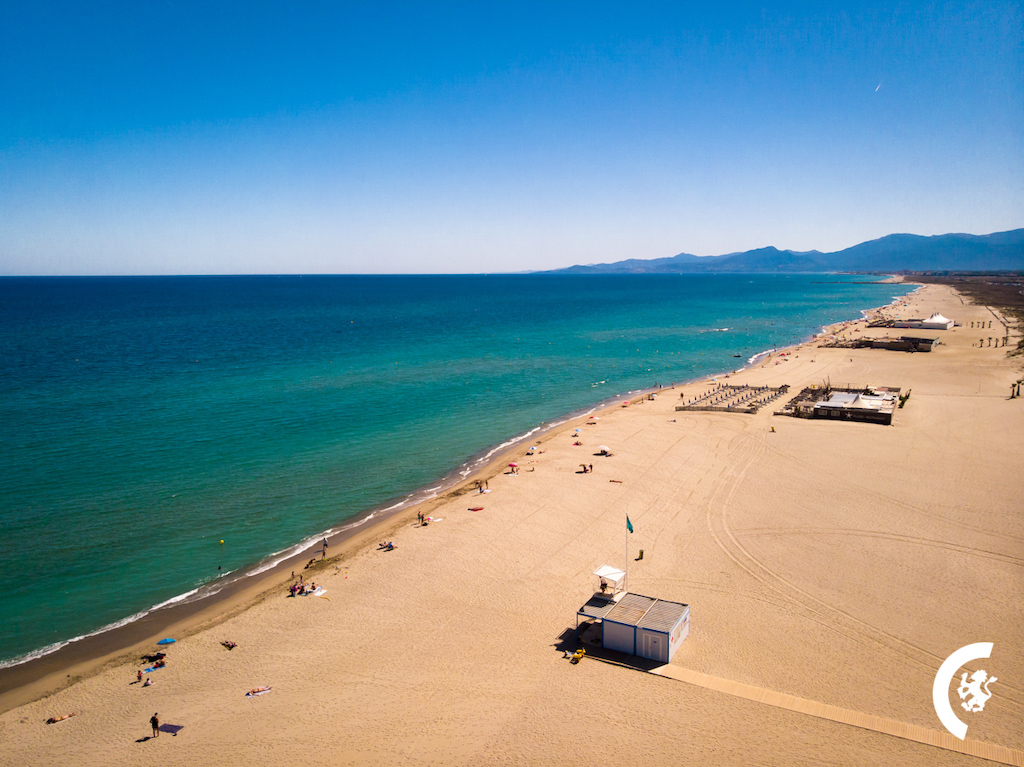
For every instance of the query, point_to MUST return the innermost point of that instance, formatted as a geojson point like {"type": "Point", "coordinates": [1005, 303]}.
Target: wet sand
{"type": "Point", "coordinates": [837, 562]}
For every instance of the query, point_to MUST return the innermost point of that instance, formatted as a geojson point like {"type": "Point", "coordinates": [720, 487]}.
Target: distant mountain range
{"type": "Point", "coordinates": [893, 253]}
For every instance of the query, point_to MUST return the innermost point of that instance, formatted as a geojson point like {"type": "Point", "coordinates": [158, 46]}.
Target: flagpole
{"type": "Point", "coordinates": [625, 581]}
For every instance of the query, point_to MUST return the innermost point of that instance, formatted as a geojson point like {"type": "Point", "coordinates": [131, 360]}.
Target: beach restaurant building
{"type": "Point", "coordinates": [638, 625]}
{"type": "Point", "coordinates": [855, 406]}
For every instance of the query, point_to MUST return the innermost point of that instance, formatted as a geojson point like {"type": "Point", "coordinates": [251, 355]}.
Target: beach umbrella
{"type": "Point", "coordinates": [603, 448]}
{"type": "Point", "coordinates": [513, 465]}
{"type": "Point", "coordinates": [166, 641]}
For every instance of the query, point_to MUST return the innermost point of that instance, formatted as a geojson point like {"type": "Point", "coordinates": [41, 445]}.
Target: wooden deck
{"type": "Point", "coordinates": [929, 737]}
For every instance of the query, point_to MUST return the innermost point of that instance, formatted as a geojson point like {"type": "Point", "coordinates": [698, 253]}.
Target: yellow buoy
{"type": "Point", "coordinates": [222, 541]}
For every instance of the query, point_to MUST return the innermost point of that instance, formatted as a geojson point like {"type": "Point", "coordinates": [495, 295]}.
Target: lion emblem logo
{"type": "Point", "coordinates": [976, 697]}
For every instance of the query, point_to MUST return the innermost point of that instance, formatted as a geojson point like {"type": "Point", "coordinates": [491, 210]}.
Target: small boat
{"type": "Point", "coordinates": [737, 355]}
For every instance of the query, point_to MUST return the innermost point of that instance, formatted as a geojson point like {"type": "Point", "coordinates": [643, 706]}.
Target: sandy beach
{"type": "Point", "coordinates": [837, 562]}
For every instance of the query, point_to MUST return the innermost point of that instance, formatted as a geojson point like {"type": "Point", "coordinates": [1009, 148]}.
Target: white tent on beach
{"type": "Point", "coordinates": [937, 322]}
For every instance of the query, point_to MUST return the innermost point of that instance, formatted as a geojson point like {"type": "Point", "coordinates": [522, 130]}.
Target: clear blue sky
{"type": "Point", "coordinates": [177, 137]}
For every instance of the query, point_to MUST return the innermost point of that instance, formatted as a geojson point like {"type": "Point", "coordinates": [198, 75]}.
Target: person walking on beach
{"type": "Point", "coordinates": [155, 721]}
{"type": "Point", "coordinates": [139, 677]}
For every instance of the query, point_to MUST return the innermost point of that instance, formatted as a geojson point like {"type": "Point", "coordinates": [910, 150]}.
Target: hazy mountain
{"type": "Point", "coordinates": [893, 253]}
{"type": "Point", "coordinates": [965, 252]}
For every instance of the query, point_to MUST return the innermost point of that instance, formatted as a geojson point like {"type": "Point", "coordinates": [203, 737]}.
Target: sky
{"type": "Point", "coordinates": [305, 137]}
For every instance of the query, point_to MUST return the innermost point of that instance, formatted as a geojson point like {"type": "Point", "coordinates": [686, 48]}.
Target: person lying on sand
{"type": "Point", "coordinates": [385, 546]}
{"type": "Point", "coordinates": [55, 719]}
{"type": "Point", "coordinates": [229, 644]}
{"type": "Point", "coordinates": [257, 690]}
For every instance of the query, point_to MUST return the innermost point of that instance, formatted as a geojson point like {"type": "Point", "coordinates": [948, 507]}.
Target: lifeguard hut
{"type": "Point", "coordinates": [632, 623]}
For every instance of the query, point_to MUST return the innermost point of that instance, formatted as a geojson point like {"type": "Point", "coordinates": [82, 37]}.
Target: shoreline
{"type": "Point", "coordinates": [38, 677]}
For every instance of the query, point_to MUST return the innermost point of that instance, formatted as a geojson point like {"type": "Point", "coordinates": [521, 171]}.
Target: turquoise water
{"type": "Point", "coordinates": [143, 420]}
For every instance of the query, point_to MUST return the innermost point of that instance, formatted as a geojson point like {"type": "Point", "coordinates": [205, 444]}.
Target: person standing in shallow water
{"type": "Point", "coordinates": [155, 721]}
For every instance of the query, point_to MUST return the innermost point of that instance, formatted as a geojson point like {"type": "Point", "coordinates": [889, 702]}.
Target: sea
{"type": "Point", "coordinates": [160, 436]}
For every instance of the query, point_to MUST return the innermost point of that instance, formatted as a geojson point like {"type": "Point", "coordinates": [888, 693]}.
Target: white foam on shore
{"type": "Point", "coordinates": [471, 466]}
{"type": "Point", "coordinates": [43, 651]}
{"type": "Point", "coordinates": [760, 356]}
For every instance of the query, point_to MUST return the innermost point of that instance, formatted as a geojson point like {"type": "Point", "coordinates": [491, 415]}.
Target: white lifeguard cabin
{"type": "Point", "coordinates": [632, 623]}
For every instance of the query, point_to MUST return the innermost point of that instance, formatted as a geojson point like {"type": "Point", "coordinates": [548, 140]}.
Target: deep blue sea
{"type": "Point", "coordinates": [145, 419]}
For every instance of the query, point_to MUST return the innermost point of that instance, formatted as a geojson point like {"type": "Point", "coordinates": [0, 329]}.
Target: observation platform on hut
{"type": "Point", "coordinates": [612, 583]}
{"type": "Point", "coordinates": [638, 625]}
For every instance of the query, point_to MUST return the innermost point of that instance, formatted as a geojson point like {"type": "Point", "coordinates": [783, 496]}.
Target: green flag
{"type": "Point", "coordinates": [629, 525]}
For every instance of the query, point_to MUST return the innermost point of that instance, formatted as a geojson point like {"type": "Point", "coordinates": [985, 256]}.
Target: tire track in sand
{"type": "Point", "coordinates": [833, 616]}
